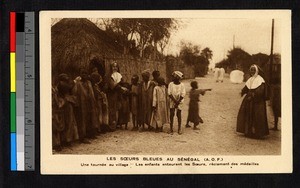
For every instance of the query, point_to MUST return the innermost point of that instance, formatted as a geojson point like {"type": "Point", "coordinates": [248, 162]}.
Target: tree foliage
{"type": "Point", "coordinates": [193, 55]}
{"type": "Point", "coordinates": [239, 59]}
{"type": "Point", "coordinates": [140, 33]}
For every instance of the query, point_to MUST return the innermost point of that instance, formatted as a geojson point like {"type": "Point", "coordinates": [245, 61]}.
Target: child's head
{"type": "Point", "coordinates": [177, 75]}
{"type": "Point", "coordinates": [84, 74]}
{"type": "Point", "coordinates": [65, 83]}
{"type": "Point", "coordinates": [96, 78]}
{"type": "Point", "coordinates": [155, 74]}
{"type": "Point", "coordinates": [160, 81]}
{"type": "Point", "coordinates": [134, 79]}
{"type": "Point", "coordinates": [194, 84]}
{"type": "Point", "coordinates": [146, 75]}
{"type": "Point", "coordinates": [114, 67]}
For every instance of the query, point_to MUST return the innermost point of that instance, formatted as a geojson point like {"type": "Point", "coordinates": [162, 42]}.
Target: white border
{"type": "Point", "coordinates": [71, 164]}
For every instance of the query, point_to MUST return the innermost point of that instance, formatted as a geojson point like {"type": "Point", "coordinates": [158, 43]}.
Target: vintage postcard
{"type": "Point", "coordinates": [166, 92]}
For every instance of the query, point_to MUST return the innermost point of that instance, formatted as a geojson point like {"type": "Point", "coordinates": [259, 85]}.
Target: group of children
{"type": "Point", "coordinates": [88, 105]}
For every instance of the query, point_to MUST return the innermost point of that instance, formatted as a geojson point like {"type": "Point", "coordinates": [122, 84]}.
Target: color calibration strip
{"type": "Point", "coordinates": [22, 90]}
{"type": "Point", "coordinates": [13, 140]}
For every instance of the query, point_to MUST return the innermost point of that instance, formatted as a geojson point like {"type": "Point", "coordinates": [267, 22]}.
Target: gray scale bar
{"type": "Point", "coordinates": [29, 101]}
{"type": "Point", "coordinates": [29, 56]}
{"type": "Point", "coordinates": [28, 67]}
{"type": "Point", "coordinates": [29, 22]}
{"type": "Point", "coordinates": [29, 91]}
{"type": "Point", "coordinates": [29, 147]}
{"type": "Point", "coordinates": [20, 84]}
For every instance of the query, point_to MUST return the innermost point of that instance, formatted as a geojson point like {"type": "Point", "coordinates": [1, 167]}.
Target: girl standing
{"type": "Point", "coordinates": [193, 113]}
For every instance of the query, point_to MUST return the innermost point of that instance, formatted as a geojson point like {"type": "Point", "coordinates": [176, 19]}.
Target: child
{"type": "Point", "coordinates": [146, 99]}
{"type": "Point", "coordinates": [193, 113]}
{"type": "Point", "coordinates": [176, 92]}
{"type": "Point", "coordinates": [101, 102]}
{"type": "Point", "coordinates": [64, 120]}
{"type": "Point", "coordinates": [124, 111]}
{"type": "Point", "coordinates": [58, 124]}
{"type": "Point", "coordinates": [160, 105]}
{"type": "Point", "coordinates": [155, 75]}
{"type": "Point", "coordinates": [86, 111]}
{"type": "Point", "coordinates": [134, 101]}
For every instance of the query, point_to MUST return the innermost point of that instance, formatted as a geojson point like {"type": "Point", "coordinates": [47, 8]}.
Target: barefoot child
{"type": "Point", "coordinates": [176, 92]}
{"type": "Point", "coordinates": [193, 113]}
{"type": "Point", "coordinates": [160, 105]}
{"type": "Point", "coordinates": [134, 92]}
{"type": "Point", "coordinates": [146, 100]}
{"type": "Point", "coordinates": [124, 111]}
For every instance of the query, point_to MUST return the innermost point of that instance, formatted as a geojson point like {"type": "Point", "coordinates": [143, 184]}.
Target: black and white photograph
{"type": "Point", "coordinates": [177, 92]}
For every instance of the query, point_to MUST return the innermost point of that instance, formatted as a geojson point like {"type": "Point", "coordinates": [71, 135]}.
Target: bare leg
{"type": "Point", "coordinates": [195, 126]}
{"type": "Point", "coordinates": [178, 114]}
{"type": "Point", "coordinates": [134, 122]}
{"type": "Point", "coordinates": [172, 113]}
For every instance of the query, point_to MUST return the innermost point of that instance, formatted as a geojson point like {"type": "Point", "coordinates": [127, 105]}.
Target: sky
{"type": "Point", "coordinates": [251, 35]}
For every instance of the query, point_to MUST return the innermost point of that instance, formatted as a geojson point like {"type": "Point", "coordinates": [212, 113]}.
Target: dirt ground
{"type": "Point", "coordinates": [217, 135]}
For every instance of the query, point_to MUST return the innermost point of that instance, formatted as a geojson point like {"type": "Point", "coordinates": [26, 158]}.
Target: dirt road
{"type": "Point", "coordinates": [217, 136]}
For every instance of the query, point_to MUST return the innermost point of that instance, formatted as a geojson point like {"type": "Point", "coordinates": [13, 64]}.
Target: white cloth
{"type": "Point", "coordinates": [216, 73]}
{"type": "Point", "coordinates": [176, 91]}
{"type": "Point", "coordinates": [236, 76]}
{"type": "Point", "coordinates": [178, 73]}
{"type": "Point", "coordinates": [254, 82]}
{"type": "Point", "coordinates": [221, 74]}
{"type": "Point", "coordinates": [116, 77]}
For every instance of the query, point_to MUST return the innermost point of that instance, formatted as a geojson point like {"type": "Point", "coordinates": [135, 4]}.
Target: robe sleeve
{"type": "Point", "coordinates": [170, 89]}
{"type": "Point", "coordinates": [154, 103]}
{"type": "Point", "coordinates": [244, 91]}
{"type": "Point", "coordinates": [200, 91]}
{"type": "Point", "coordinates": [91, 92]}
{"type": "Point", "coordinates": [183, 92]}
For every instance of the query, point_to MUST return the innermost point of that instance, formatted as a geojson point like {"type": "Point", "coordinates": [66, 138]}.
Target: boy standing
{"type": "Point", "coordinates": [176, 92]}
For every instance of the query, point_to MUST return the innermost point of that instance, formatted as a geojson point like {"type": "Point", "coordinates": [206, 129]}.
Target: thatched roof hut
{"type": "Point", "coordinates": [76, 42]}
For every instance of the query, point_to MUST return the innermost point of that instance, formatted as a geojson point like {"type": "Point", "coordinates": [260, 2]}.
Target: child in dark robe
{"type": "Point", "coordinates": [193, 112]}
{"type": "Point", "coordinates": [124, 111]}
{"type": "Point", "coordinates": [58, 125]}
{"type": "Point", "coordinates": [101, 102]}
{"type": "Point", "coordinates": [146, 98]}
{"type": "Point", "coordinates": [86, 112]}
{"type": "Point", "coordinates": [134, 94]}
{"type": "Point", "coordinates": [63, 109]}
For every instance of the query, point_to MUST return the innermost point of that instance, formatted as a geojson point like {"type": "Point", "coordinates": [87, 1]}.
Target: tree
{"type": "Point", "coordinates": [142, 32]}
{"type": "Point", "coordinates": [192, 56]}
{"type": "Point", "coordinates": [123, 30]}
{"type": "Point", "coordinates": [239, 59]}
{"type": "Point", "coordinates": [206, 53]}
{"type": "Point", "coordinates": [189, 52]}
{"type": "Point", "coordinates": [162, 44]}
{"type": "Point", "coordinates": [146, 31]}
